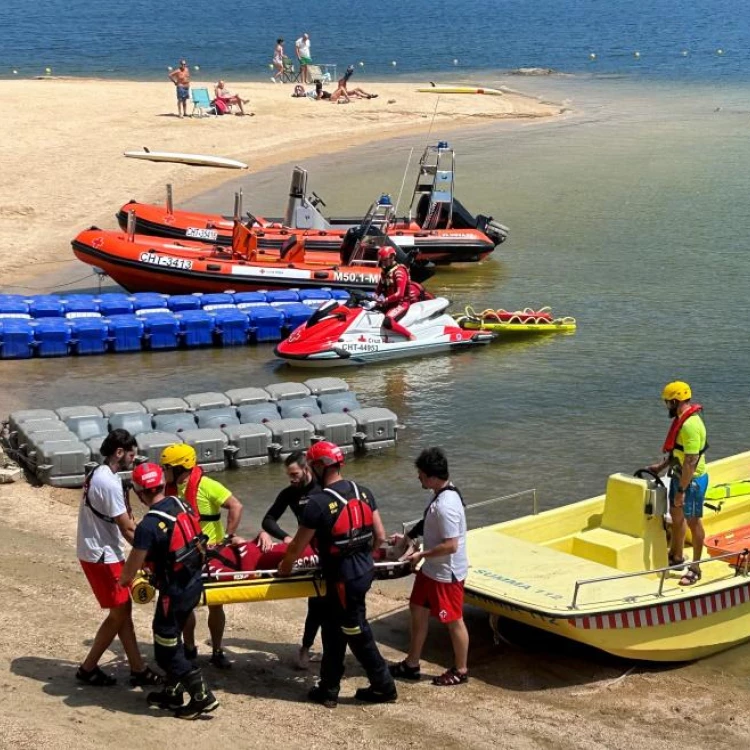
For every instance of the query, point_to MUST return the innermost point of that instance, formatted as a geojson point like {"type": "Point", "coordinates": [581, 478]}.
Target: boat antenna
{"type": "Point", "coordinates": [432, 122]}
{"type": "Point", "coordinates": [403, 180]}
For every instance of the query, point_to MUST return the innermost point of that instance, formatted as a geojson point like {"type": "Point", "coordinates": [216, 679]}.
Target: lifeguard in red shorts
{"type": "Point", "coordinates": [393, 291]}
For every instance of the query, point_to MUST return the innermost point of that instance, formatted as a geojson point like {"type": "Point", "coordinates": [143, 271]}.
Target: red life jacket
{"type": "Point", "coordinates": [245, 557]}
{"type": "Point", "coordinates": [191, 494]}
{"type": "Point", "coordinates": [394, 285]}
{"type": "Point", "coordinates": [187, 543]}
{"type": "Point", "coordinates": [670, 444]}
{"type": "Point", "coordinates": [352, 528]}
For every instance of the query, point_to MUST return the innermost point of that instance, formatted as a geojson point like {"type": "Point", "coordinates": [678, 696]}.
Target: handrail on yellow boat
{"type": "Point", "coordinates": [532, 492]}
{"type": "Point", "coordinates": [745, 554]}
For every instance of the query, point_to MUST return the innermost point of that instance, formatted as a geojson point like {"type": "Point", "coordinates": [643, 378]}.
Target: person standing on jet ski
{"type": "Point", "coordinates": [396, 291]}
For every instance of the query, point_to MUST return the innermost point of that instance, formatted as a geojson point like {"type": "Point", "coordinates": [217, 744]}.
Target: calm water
{"type": "Point", "coordinates": [630, 216]}
{"type": "Point", "coordinates": [676, 39]}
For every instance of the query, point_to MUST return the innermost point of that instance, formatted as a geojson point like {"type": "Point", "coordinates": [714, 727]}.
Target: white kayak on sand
{"type": "Point", "coordinates": [433, 89]}
{"type": "Point", "coordinates": [198, 160]}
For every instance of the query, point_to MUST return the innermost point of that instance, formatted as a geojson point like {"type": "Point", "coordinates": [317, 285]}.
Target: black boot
{"type": "Point", "coordinates": [171, 697]}
{"type": "Point", "coordinates": [320, 694]}
{"type": "Point", "coordinates": [202, 700]}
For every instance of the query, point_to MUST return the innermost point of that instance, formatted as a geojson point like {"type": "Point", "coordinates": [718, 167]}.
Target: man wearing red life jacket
{"type": "Point", "coordinates": [207, 497]}
{"type": "Point", "coordinates": [169, 538]}
{"type": "Point", "coordinates": [684, 458]}
{"type": "Point", "coordinates": [345, 520]}
{"type": "Point", "coordinates": [393, 291]}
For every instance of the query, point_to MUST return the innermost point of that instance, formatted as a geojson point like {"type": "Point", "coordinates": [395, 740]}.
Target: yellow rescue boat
{"type": "Point", "coordinates": [597, 572]}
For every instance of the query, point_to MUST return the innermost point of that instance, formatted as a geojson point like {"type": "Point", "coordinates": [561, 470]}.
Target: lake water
{"type": "Point", "coordinates": [629, 215]}
{"type": "Point", "coordinates": [674, 39]}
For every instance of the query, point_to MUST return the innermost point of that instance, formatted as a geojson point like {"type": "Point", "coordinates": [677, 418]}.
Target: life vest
{"type": "Point", "coordinates": [187, 543]}
{"type": "Point", "coordinates": [245, 557]}
{"type": "Point", "coordinates": [352, 529]}
{"type": "Point", "coordinates": [191, 494]}
{"type": "Point", "coordinates": [671, 444]}
{"type": "Point", "coordinates": [392, 282]}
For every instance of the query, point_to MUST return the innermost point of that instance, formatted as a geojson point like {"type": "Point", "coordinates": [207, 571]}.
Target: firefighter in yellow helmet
{"type": "Point", "coordinates": [208, 498]}
{"type": "Point", "coordinates": [684, 460]}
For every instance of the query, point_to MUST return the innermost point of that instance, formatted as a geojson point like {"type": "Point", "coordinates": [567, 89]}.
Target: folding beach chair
{"type": "Point", "coordinates": [290, 75]}
{"type": "Point", "coordinates": [201, 103]}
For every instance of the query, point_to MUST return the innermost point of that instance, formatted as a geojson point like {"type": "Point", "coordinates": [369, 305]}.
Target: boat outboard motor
{"type": "Point", "coordinates": [657, 502]}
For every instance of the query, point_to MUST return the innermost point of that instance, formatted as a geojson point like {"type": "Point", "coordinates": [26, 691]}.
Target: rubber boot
{"type": "Point", "coordinates": [202, 700]}
{"type": "Point", "coordinates": [172, 696]}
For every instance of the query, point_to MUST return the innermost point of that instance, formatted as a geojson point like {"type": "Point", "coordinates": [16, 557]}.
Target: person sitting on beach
{"type": "Point", "coordinates": [228, 98]}
{"type": "Point", "coordinates": [356, 92]}
{"type": "Point", "coordinates": [181, 79]}
{"type": "Point", "coordinates": [278, 60]}
{"type": "Point", "coordinates": [320, 93]}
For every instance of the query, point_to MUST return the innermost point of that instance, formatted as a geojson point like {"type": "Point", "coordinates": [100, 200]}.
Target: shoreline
{"type": "Point", "coordinates": [79, 177]}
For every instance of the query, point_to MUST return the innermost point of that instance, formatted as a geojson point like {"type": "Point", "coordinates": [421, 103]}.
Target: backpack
{"type": "Point", "coordinates": [187, 543]}
{"type": "Point", "coordinates": [299, 91]}
{"type": "Point", "coordinates": [352, 529]}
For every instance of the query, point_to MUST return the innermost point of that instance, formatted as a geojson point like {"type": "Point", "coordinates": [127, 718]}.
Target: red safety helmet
{"type": "Point", "coordinates": [326, 453]}
{"type": "Point", "coordinates": [147, 477]}
{"type": "Point", "coordinates": [386, 252]}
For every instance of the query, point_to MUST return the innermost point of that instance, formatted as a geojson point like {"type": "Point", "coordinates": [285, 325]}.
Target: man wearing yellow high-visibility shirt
{"type": "Point", "coordinates": [685, 449]}
{"type": "Point", "coordinates": [207, 497]}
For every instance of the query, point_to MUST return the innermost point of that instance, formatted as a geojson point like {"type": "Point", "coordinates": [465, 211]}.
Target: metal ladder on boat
{"type": "Point", "coordinates": [435, 185]}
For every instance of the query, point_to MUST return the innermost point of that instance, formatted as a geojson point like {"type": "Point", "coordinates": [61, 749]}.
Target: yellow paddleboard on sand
{"type": "Point", "coordinates": [460, 90]}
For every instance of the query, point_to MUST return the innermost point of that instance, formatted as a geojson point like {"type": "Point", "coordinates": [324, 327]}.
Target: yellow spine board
{"type": "Point", "coordinates": [261, 590]}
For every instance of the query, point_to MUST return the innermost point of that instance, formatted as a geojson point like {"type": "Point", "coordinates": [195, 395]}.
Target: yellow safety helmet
{"type": "Point", "coordinates": [179, 454]}
{"type": "Point", "coordinates": [677, 391]}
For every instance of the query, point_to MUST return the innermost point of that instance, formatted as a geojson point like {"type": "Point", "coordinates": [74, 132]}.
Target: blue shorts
{"type": "Point", "coordinates": [694, 497]}
{"type": "Point", "coordinates": [183, 93]}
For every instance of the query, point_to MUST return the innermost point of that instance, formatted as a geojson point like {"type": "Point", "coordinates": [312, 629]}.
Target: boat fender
{"type": "Point", "coordinates": [341, 352]}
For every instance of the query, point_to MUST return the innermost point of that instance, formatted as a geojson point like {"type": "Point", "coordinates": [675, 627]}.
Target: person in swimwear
{"type": "Point", "coordinates": [181, 79]}
{"type": "Point", "coordinates": [223, 94]}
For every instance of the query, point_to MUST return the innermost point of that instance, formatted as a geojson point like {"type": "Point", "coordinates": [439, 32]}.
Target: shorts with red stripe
{"type": "Point", "coordinates": [104, 579]}
{"type": "Point", "coordinates": [444, 600]}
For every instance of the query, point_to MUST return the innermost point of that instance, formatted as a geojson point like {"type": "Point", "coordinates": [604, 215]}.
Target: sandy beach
{"type": "Point", "coordinates": [63, 168]}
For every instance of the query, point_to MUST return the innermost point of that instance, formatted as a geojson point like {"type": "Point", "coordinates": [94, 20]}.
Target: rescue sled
{"type": "Point", "coordinates": [515, 322]}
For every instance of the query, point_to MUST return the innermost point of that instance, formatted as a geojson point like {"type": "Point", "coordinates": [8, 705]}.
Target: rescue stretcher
{"type": "Point", "coordinates": [226, 584]}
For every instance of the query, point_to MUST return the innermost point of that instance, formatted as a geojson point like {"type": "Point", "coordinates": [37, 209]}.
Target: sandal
{"type": "Point", "coordinates": [95, 678]}
{"type": "Point", "coordinates": [451, 677]}
{"type": "Point", "coordinates": [403, 671]}
{"type": "Point", "coordinates": [692, 576]}
{"type": "Point", "coordinates": [145, 678]}
{"type": "Point", "coordinates": [676, 561]}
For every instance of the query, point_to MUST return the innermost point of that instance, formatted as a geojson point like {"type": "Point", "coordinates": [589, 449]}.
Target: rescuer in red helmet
{"type": "Point", "coordinates": [345, 521]}
{"type": "Point", "coordinates": [393, 291]}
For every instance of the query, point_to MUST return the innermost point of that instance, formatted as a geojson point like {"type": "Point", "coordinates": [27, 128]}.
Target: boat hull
{"type": "Point", "coordinates": [138, 270]}
{"type": "Point", "coordinates": [596, 572]}
{"type": "Point", "coordinates": [437, 246]}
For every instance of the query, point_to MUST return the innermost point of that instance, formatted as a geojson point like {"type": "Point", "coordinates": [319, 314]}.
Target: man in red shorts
{"type": "Point", "coordinates": [439, 584]}
{"type": "Point", "coordinates": [104, 520]}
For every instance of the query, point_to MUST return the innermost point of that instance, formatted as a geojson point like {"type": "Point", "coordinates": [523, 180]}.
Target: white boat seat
{"type": "Point", "coordinates": [424, 309]}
